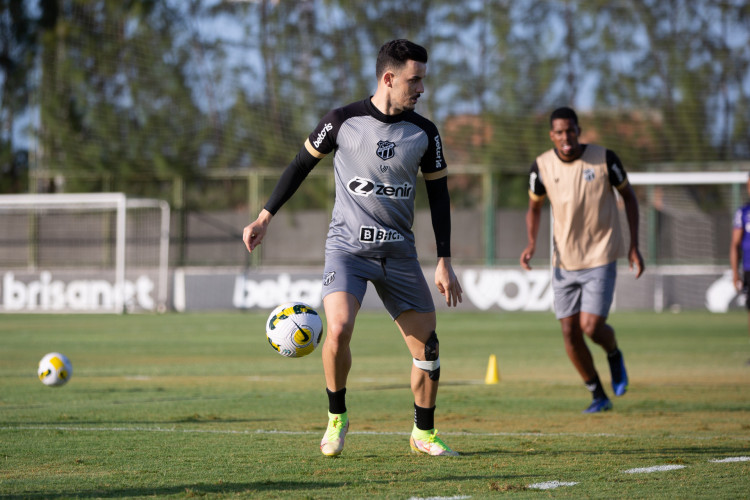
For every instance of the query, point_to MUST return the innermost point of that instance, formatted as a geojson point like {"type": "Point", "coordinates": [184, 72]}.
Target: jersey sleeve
{"type": "Point", "coordinates": [617, 176]}
{"type": "Point", "coordinates": [433, 161]}
{"type": "Point", "coordinates": [537, 190]}
{"type": "Point", "coordinates": [440, 211]}
{"type": "Point", "coordinates": [322, 140]}
{"type": "Point", "coordinates": [737, 220]}
{"type": "Point", "coordinates": [291, 179]}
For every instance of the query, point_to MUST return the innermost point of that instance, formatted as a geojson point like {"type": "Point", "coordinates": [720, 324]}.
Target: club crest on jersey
{"type": "Point", "coordinates": [386, 150]}
{"type": "Point", "coordinates": [588, 174]}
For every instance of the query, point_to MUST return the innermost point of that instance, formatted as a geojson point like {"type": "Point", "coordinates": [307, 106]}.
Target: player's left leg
{"type": "Point", "coordinates": [418, 330]}
{"type": "Point", "coordinates": [596, 301]}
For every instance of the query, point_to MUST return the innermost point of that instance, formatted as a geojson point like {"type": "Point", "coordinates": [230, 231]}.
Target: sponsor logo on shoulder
{"type": "Point", "coordinates": [360, 186]}
{"type": "Point", "coordinates": [372, 234]}
{"type": "Point", "coordinates": [438, 153]}
{"type": "Point", "coordinates": [386, 150]}
{"type": "Point", "coordinates": [322, 135]}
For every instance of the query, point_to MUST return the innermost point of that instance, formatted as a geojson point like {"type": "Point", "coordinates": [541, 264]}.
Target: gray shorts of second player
{"type": "Point", "coordinates": [588, 290]}
{"type": "Point", "coordinates": [400, 283]}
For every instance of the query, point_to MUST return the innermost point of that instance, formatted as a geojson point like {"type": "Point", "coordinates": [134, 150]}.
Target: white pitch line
{"type": "Point", "coordinates": [300, 433]}
{"type": "Point", "coordinates": [459, 497]}
{"type": "Point", "coordinates": [656, 468]}
{"type": "Point", "coordinates": [365, 433]}
{"type": "Point", "coordinates": [730, 459]}
{"type": "Point", "coordinates": [550, 485]}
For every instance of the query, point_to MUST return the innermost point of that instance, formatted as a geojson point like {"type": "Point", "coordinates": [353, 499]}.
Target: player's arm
{"type": "Point", "coordinates": [287, 185]}
{"type": "Point", "coordinates": [735, 250]}
{"type": "Point", "coordinates": [618, 178]}
{"type": "Point", "coordinates": [537, 194]}
{"type": "Point", "coordinates": [440, 211]}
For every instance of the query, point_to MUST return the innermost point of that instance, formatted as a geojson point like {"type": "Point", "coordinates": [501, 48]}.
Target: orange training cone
{"type": "Point", "coordinates": [492, 375]}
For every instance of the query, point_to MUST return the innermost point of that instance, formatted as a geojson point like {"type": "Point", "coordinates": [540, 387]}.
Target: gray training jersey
{"type": "Point", "coordinates": [376, 161]}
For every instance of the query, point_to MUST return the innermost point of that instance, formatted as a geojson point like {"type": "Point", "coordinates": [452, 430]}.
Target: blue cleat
{"type": "Point", "coordinates": [619, 374]}
{"type": "Point", "coordinates": [599, 404]}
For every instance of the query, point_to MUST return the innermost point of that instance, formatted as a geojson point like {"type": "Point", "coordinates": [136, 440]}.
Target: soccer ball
{"type": "Point", "coordinates": [55, 369]}
{"type": "Point", "coordinates": [294, 329]}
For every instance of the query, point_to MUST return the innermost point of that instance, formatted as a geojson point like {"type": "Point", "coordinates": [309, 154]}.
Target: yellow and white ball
{"type": "Point", "coordinates": [55, 369]}
{"type": "Point", "coordinates": [294, 329]}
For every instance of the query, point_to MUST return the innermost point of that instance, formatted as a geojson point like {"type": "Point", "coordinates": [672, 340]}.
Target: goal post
{"type": "Point", "coordinates": [686, 221]}
{"type": "Point", "coordinates": [87, 252]}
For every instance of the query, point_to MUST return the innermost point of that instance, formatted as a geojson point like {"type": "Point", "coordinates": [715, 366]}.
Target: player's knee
{"type": "Point", "coordinates": [431, 364]}
{"type": "Point", "coordinates": [570, 330]}
{"type": "Point", "coordinates": [339, 333]}
{"type": "Point", "coordinates": [432, 348]}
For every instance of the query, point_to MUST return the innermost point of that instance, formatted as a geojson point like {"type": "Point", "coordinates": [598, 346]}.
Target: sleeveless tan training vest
{"type": "Point", "coordinates": [586, 221]}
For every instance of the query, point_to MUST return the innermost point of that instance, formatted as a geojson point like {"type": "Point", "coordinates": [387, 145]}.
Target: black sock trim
{"type": "Point", "coordinates": [337, 401]}
{"type": "Point", "coordinates": [424, 418]}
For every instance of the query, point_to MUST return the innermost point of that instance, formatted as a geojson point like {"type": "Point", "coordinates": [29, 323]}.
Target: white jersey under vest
{"type": "Point", "coordinates": [376, 161]}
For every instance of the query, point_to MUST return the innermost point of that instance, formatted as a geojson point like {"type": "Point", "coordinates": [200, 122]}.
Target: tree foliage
{"type": "Point", "coordinates": [140, 90]}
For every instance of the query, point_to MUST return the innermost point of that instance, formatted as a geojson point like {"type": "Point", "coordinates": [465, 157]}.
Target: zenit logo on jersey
{"type": "Point", "coordinates": [365, 187]}
{"type": "Point", "coordinates": [370, 234]}
{"type": "Point", "coordinates": [386, 150]}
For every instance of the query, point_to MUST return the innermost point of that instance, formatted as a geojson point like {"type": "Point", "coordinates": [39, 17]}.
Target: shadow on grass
{"type": "Point", "coordinates": [407, 386]}
{"type": "Point", "coordinates": [244, 489]}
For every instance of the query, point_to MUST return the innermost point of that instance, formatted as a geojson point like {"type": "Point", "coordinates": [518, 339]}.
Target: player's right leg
{"type": "Point", "coordinates": [341, 310]}
{"type": "Point", "coordinates": [344, 287]}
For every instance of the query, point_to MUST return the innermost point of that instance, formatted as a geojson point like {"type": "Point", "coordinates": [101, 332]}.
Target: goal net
{"type": "Point", "coordinates": [685, 233]}
{"type": "Point", "coordinates": [96, 252]}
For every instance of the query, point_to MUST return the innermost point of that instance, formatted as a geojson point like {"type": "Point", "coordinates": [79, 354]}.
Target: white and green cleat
{"type": "Point", "coordinates": [428, 443]}
{"type": "Point", "coordinates": [333, 440]}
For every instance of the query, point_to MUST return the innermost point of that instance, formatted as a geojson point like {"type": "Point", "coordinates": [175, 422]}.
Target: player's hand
{"type": "Point", "coordinates": [737, 282]}
{"type": "Point", "coordinates": [447, 282]}
{"type": "Point", "coordinates": [635, 260]}
{"type": "Point", "coordinates": [254, 232]}
{"type": "Point", "coordinates": [526, 256]}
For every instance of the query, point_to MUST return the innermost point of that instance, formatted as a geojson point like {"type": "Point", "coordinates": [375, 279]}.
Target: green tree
{"type": "Point", "coordinates": [17, 51]}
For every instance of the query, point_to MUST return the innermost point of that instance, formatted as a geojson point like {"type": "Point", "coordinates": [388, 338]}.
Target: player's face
{"type": "Point", "coordinates": [564, 135]}
{"type": "Point", "coordinates": [408, 85]}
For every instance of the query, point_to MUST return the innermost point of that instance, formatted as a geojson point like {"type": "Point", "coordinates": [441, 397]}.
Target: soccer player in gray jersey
{"type": "Point", "coordinates": [379, 145]}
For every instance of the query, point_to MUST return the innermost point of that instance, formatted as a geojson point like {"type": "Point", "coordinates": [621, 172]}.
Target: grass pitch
{"type": "Point", "coordinates": [201, 406]}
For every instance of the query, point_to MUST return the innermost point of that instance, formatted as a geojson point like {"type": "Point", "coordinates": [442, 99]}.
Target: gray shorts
{"type": "Point", "coordinates": [400, 283]}
{"type": "Point", "coordinates": [587, 290]}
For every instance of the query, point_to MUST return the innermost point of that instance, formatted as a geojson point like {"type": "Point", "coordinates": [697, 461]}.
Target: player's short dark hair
{"type": "Point", "coordinates": [395, 53]}
{"type": "Point", "coordinates": [563, 113]}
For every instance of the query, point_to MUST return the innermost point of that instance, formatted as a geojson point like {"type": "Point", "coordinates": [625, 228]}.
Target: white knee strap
{"type": "Point", "coordinates": [427, 366]}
